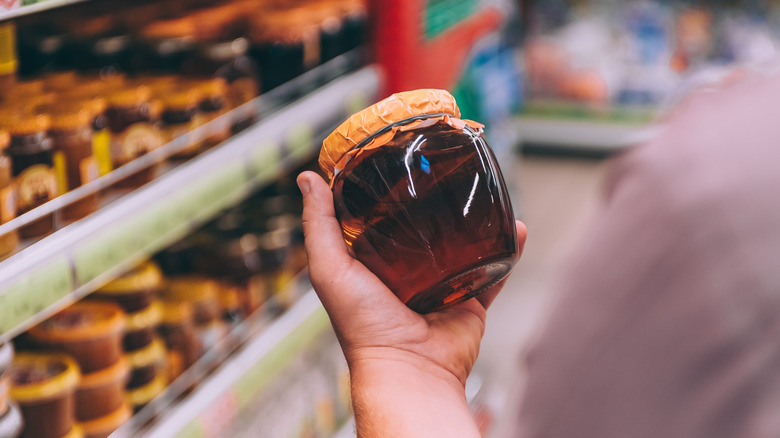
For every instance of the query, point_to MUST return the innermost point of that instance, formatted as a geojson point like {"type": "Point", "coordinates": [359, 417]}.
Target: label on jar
{"type": "Point", "coordinates": [8, 60]}
{"type": "Point", "coordinates": [101, 149]}
{"type": "Point", "coordinates": [7, 203]}
{"type": "Point", "coordinates": [37, 184]}
{"type": "Point", "coordinates": [135, 141]}
{"type": "Point", "coordinates": [61, 169]}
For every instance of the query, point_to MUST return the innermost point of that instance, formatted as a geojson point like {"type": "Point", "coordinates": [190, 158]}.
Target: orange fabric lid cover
{"type": "Point", "coordinates": [339, 146]}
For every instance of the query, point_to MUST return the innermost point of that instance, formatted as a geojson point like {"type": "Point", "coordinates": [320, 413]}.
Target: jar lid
{"type": "Point", "coordinates": [394, 109]}
{"type": "Point", "coordinates": [175, 313]}
{"type": "Point", "coordinates": [75, 432]}
{"type": "Point", "coordinates": [152, 353]}
{"type": "Point", "coordinates": [5, 139]}
{"type": "Point", "coordinates": [27, 88]}
{"type": "Point", "coordinates": [103, 426]}
{"type": "Point", "coordinates": [60, 80]}
{"type": "Point", "coordinates": [145, 276]}
{"type": "Point", "coordinates": [134, 95]}
{"type": "Point", "coordinates": [69, 117]}
{"type": "Point", "coordinates": [26, 123]}
{"type": "Point", "coordinates": [173, 28]}
{"type": "Point", "coordinates": [181, 98]}
{"type": "Point", "coordinates": [229, 298]}
{"type": "Point", "coordinates": [116, 372]}
{"type": "Point", "coordinates": [144, 319]}
{"type": "Point", "coordinates": [190, 288]}
{"type": "Point", "coordinates": [36, 376]}
{"type": "Point", "coordinates": [212, 88]}
{"type": "Point", "coordinates": [144, 394]}
{"type": "Point", "coordinates": [291, 25]}
{"type": "Point", "coordinates": [83, 320]}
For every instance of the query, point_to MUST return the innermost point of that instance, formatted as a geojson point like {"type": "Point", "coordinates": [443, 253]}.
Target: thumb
{"type": "Point", "coordinates": [345, 286]}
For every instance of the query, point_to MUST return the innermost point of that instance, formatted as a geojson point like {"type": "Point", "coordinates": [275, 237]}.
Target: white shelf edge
{"type": "Point", "coordinates": [319, 110]}
{"type": "Point", "coordinates": [584, 135]}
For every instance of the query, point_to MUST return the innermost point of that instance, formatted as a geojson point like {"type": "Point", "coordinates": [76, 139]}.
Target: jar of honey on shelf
{"type": "Point", "coordinates": [179, 117]}
{"type": "Point", "coordinates": [8, 241]}
{"type": "Point", "coordinates": [133, 121]}
{"type": "Point", "coordinates": [71, 131]}
{"type": "Point", "coordinates": [285, 43]}
{"type": "Point", "coordinates": [214, 104]}
{"type": "Point", "coordinates": [32, 159]}
{"type": "Point", "coordinates": [421, 200]}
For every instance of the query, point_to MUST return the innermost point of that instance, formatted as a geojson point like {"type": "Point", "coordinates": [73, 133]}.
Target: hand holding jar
{"type": "Point", "coordinates": [416, 224]}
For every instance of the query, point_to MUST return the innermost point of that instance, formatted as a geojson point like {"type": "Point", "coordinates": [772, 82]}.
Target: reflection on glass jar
{"type": "Point", "coordinates": [421, 200]}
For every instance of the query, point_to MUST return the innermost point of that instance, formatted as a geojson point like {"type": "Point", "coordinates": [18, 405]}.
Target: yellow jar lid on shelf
{"type": "Point", "coordinates": [144, 319]}
{"type": "Point", "coordinates": [145, 276]}
{"type": "Point", "coordinates": [40, 376]}
{"type": "Point", "coordinates": [144, 394]}
{"type": "Point", "coordinates": [190, 288]}
{"type": "Point", "coordinates": [81, 321]}
{"type": "Point", "coordinates": [151, 354]}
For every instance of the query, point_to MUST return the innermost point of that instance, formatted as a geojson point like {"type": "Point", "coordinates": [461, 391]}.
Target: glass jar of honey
{"type": "Point", "coordinates": [421, 200]}
{"type": "Point", "coordinates": [32, 158]}
{"type": "Point", "coordinates": [180, 116]}
{"type": "Point", "coordinates": [213, 104]}
{"type": "Point", "coordinates": [133, 122]}
{"type": "Point", "coordinates": [285, 43]}
{"type": "Point", "coordinates": [71, 131]}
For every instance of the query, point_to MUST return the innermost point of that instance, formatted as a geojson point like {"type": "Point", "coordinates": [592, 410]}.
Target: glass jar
{"type": "Point", "coordinates": [285, 43]}
{"type": "Point", "coordinates": [133, 123]}
{"type": "Point", "coordinates": [421, 200]}
{"type": "Point", "coordinates": [177, 329]}
{"type": "Point", "coordinates": [180, 116]}
{"type": "Point", "coordinates": [32, 162]}
{"type": "Point", "coordinates": [71, 131]}
{"type": "Point", "coordinates": [228, 60]}
{"type": "Point", "coordinates": [8, 241]}
{"type": "Point", "coordinates": [44, 385]}
{"type": "Point", "coordinates": [213, 104]}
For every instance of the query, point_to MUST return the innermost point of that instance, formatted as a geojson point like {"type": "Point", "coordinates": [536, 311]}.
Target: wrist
{"type": "Point", "coordinates": [387, 363]}
{"type": "Point", "coordinates": [395, 395]}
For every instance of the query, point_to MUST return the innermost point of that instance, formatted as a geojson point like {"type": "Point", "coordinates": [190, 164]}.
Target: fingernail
{"type": "Point", "coordinates": [303, 185]}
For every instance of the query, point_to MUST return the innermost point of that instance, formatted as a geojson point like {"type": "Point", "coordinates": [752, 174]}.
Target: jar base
{"type": "Point", "coordinates": [461, 287]}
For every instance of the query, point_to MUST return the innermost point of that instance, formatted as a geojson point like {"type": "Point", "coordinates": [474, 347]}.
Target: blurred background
{"type": "Point", "coordinates": [153, 280]}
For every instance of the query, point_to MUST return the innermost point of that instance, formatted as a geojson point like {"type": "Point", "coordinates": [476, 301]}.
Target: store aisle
{"type": "Point", "coordinates": [558, 197]}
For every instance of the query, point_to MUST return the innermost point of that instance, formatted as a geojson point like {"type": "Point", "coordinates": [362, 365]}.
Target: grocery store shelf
{"type": "Point", "coordinates": [219, 399]}
{"type": "Point", "coordinates": [19, 8]}
{"type": "Point", "coordinates": [583, 135]}
{"type": "Point", "coordinates": [65, 266]}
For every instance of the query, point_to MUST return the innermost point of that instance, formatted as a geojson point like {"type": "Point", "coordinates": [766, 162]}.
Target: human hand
{"type": "Point", "coordinates": [380, 336]}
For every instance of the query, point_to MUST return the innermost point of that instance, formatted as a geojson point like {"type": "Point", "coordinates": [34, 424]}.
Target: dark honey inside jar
{"type": "Point", "coordinates": [422, 202]}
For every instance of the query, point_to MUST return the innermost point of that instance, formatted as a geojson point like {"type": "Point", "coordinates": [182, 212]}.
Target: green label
{"type": "Point", "coordinates": [300, 140]}
{"type": "Point", "coordinates": [34, 292]}
{"type": "Point", "coordinates": [266, 158]}
{"type": "Point", "coordinates": [441, 15]}
{"type": "Point", "coordinates": [104, 251]}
